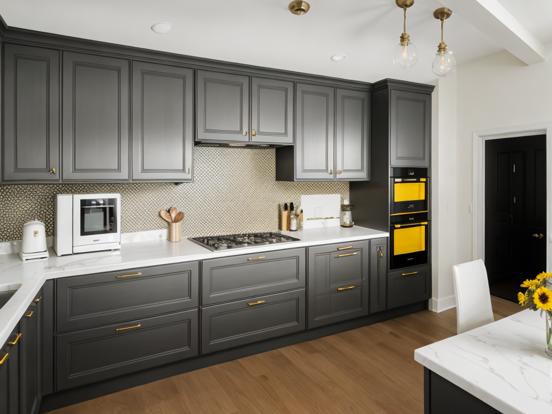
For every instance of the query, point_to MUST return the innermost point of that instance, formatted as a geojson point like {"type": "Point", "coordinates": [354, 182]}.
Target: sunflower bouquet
{"type": "Point", "coordinates": [538, 296]}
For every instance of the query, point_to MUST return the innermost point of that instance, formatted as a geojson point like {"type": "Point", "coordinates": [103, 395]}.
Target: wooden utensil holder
{"type": "Point", "coordinates": [175, 232]}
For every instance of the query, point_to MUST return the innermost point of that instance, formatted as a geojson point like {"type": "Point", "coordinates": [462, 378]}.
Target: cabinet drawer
{"type": "Point", "coordinates": [407, 286]}
{"type": "Point", "coordinates": [240, 277]}
{"type": "Point", "coordinates": [101, 299]}
{"type": "Point", "coordinates": [239, 323]}
{"type": "Point", "coordinates": [103, 353]}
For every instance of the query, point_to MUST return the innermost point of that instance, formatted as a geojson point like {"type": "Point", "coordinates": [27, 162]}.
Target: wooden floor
{"type": "Point", "coordinates": [366, 370]}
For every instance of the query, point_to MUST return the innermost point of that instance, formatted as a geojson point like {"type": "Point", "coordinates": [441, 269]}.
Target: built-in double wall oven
{"type": "Point", "coordinates": [409, 219]}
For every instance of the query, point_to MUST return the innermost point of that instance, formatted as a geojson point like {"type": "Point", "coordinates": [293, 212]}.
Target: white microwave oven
{"type": "Point", "coordinates": [87, 223]}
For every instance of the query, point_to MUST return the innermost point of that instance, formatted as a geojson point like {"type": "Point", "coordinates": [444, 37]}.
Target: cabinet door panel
{"type": "Point", "coordinates": [407, 286]}
{"type": "Point", "coordinates": [9, 377]}
{"type": "Point", "coordinates": [162, 122]}
{"type": "Point", "coordinates": [95, 117]}
{"type": "Point", "coordinates": [338, 282]}
{"type": "Point", "coordinates": [378, 275]}
{"type": "Point", "coordinates": [222, 107]}
{"type": "Point", "coordinates": [314, 146]}
{"type": "Point", "coordinates": [31, 114]}
{"type": "Point", "coordinates": [410, 129]}
{"type": "Point", "coordinates": [352, 139]}
{"type": "Point", "coordinates": [271, 111]}
{"type": "Point", "coordinates": [30, 365]}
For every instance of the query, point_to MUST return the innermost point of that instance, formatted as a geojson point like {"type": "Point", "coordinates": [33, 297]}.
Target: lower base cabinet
{"type": "Point", "coordinates": [30, 364]}
{"type": "Point", "coordinates": [408, 286]}
{"type": "Point", "coordinates": [9, 376]}
{"type": "Point", "coordinates": [102, 353]}
{"type": "Point", "coordinates": [242, 322]}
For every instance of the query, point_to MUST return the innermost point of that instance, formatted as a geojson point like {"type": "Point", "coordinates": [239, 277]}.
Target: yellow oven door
{"type": "Point", "coordinates": [409, 192]}
{"type": "Point", "coordinates": [409, 239]}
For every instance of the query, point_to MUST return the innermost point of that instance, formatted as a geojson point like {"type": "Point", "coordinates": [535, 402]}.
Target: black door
{"type": "Point", "coordinates": [515, 212]}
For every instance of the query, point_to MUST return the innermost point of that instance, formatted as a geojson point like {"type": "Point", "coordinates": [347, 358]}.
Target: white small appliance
{"type": "Point", "coordinates": [87, 223]}
{"type": "Point", "coordinates": [33, 245]}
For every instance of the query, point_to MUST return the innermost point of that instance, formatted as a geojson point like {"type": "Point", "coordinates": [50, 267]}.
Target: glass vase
{"type": "Point", "coordinates": [548, 348]}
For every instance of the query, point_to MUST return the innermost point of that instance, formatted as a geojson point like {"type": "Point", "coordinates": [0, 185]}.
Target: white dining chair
{"type": "Point", "coordinates": [473, 297]}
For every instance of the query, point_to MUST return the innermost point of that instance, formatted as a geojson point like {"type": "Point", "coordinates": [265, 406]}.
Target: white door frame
{"type": "Point", "coordinates": [479, 139]}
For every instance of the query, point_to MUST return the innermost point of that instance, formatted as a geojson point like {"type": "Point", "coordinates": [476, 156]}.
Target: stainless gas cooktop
{"type": "Point", "coordinates": [233, 241]}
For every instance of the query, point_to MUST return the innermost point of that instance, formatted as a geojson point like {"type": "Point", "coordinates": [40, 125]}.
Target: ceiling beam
{"type": "Point", "coordinates": [491, 18]}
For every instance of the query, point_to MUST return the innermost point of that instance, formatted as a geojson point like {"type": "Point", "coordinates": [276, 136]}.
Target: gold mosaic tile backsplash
{"type": "Point", "coordinates": [234, 190]}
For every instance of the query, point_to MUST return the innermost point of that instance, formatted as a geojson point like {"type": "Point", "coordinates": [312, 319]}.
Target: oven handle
{"type": "Point", "coordinates": [398, 226]}
{"type": "Point", "coordinates": [410, 180]}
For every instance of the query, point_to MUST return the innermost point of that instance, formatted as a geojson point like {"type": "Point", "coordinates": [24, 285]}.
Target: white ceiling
{"type": "Point", "coordinates": [264, 33]}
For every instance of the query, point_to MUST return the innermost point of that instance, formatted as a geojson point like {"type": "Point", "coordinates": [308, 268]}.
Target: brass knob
{"type": "Point", "coordinates": [253, 133]}
{"type": "Point", "coordinates": [244, 133]}
{"type": "Point", "coordinates": [537, 236]}
{"type": "Point", "coordinates": [338, 172]}
{"type": "Point", "coordinates": [52, 171]}
{"type": "Point", "coordinates": [380, 252]}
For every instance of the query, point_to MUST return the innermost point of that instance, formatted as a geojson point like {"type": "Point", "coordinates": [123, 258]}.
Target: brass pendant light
{"type": "Point", "coordinates": [444, 60]}
{"type": "Point", "coordinates": [405, 55]}
{"type": "Point", "coordinates": [299, 7]}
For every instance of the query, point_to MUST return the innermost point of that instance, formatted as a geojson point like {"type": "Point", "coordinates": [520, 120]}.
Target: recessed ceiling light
{"type": "Point", "coordinates": [162, 27]}
{"type": "Point", "coordinates": [338, 58]}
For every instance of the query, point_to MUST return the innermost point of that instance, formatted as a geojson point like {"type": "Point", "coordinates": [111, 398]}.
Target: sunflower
{"type": "Point", "coordinates": [543, 275]}
{"type": "Point", "coordinates": [522, 299]}
{"type": "Point", "coordinates": [530, 283]}
{"type": "Point", "coordinates": [543, 298]}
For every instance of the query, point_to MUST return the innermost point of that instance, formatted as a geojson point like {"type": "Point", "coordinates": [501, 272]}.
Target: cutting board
{"type": "Point", "coordinates": [321, 210]}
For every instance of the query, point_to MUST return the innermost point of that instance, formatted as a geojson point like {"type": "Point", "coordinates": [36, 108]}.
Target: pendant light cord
{"type": "Point", "coordinates": [404, 20]}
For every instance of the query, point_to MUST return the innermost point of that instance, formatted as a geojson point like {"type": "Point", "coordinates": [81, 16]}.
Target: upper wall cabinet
{"type": "Point", "coordinates": [95, 118]}
{"type": "Point", "coordinates": [223, 112]}
{"type": "Point", "coordinates": [332, 142]}
{"type": "Point", "coordinates": [162, 114]}
{"type": "Point", "coordinates": [410, 128]}
{"type": "Point", "coordinates": [31, 114]}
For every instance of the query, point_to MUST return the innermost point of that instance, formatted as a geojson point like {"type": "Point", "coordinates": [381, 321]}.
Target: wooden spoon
{"type": "Point", "coordinates": [165, 215]}
{"type": "Point", "coordinates": [179, 217]}
{"type": "Point", "coordinates": [173, 212]}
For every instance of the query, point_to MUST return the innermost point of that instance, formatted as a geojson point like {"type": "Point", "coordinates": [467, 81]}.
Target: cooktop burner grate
{"type": "Point", "coordinates": [233, 241]}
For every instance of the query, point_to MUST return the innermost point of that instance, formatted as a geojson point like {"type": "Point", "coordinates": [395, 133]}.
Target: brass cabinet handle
{"type": "Point", "coordinates": [253, 132]}
{"type": "Point", "coordinates": [37, 300]}
{"type": "Point", "coordinates": [257, 302]}
{"type": "Point", "coordinates": [52, 171]}
{"type": "Point", "coordinates": [345, 288]}
{"type": "Point", "coordinates": [338, 172]}
{"type": "Point", "coordinates": [244, 133]}
{"type": "Point", "coordinates": [380, 252]}
{"type": "Point", "coordinates": [128, 276]}
{"type": "Point", "coordinates": [128, 328]}
{"type": "Point", "coordinates": [537, 235]}
{"type": "Point", "coordinates": [345, 248]}
{"type": "Point", "coordinates": [409, 274]}
{"type": "Point", "coordinates": [15, 340]}
{"type": "Point", "coordinates": [347, 254]}
{"type": "Point", "coordinates": [4, 358]}
{"type": "Point", "coordinates": [256, 258]}
{"type": "Point", "coordinates": [29, 314]}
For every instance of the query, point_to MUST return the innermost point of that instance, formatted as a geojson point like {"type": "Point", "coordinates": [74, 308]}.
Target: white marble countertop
{"type": "Point", "coordinates": [503, 363]}
{"type": "Point", "coordinates": [32, 275]}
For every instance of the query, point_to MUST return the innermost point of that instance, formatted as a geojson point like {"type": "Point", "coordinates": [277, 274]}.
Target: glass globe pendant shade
{"type": "Point", "coordinates": [405, 55]}
{"type": "Point", "coordinates": [444, 62]}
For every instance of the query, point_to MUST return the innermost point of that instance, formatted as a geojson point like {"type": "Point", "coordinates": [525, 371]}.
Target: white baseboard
{"type": "Point", "coordinates": [442, 304]}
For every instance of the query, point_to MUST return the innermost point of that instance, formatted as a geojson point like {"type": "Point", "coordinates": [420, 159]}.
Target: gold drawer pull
{"type": "Point", "coordinates": [345, 288]}
{"type": "Point", "coordinates": [256, 258]}
{"type": "Point", "coordinates": [409, 274]}
{"type": "Point", "coordinates": [4, 359]}
{"type": "Point", "coordinates": [128, 328]}
{"type": "Point", "coordinates": [257, 302]}
{"type": "Point", "coordinates": [380, 252]}
{"type": "Point", "coordinates": [37, 300]}
{"type": "Point", "coordinates": [128, 276]}
{"type": "Point", "coordinates": [347, 254]}
{"type": "Point", "coordinates": [345, 248]}
{"type": "Point", "coordinates": [29, 314]}
{"type": "Point", "coordinates": [15, 340]}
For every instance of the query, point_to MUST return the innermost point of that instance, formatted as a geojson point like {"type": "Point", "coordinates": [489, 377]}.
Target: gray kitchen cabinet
{"type": "Point", "coordinates": [378, 275]}
{"type": "Point", "coordinates": [95, 118]}
{"type": "Point", "coordinates": [222, 112]}
{"type": "Point", "coordinates": [408, 286]}
{"type": "Point", "coordinates": [242, 322]}
{"type": "Point", "coordinates": [162, 114]}
{"type": "Point", "coordinates": [91, 301]}
{"type": "Point", "coordinates": [9, 375]}
{"type": "Point", "coordinates": [409, 128]}
{"type": "Point", "coordinates": [239, 277]}
{"type": "Point", "coordinates": [98, 354]}
{"type": "Point", "coordinates": [271, 111]}
{"type": "Point", "coordinates": [352, 135]}
{"type": "Point", "coordinates": [332, 136]}
{"type": "Point", "coordinates": [30, 364]}
{"type": "Point", "coordinates": [31, 114]}
{"type": "Point", "coordinates": [338, 282]}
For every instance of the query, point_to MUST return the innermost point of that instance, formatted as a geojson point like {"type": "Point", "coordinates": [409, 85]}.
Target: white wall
{"type": "Point", "coordinates": [495, 92]}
